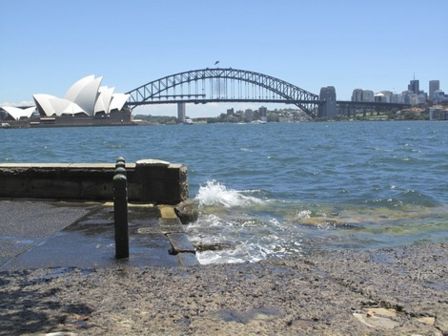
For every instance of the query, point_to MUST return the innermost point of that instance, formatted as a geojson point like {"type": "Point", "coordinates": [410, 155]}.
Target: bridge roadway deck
{"type": "Point", "coordinates": [223, 100]}
{"type": "Point", "coordinates": [267, 100]}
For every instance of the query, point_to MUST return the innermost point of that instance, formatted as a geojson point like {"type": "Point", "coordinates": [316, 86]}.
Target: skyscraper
{"type": "Point", "coordinates": [414, 86]}
{"type": "Point", "coordinates": [434, 85]}
{"type": "Point", "coordinates": [357, 95]}
{"type": "Point", "coordinates": [368, 96]}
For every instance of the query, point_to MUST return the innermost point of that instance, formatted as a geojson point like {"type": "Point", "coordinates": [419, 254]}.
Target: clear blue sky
{"type": "Point", "coordinates": [46, 45]}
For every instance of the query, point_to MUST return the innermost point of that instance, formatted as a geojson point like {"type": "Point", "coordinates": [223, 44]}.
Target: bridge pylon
{"type": "Point", "coordinates": [328, 108]}
{"type": "Point", "coordinates": [181, 112]}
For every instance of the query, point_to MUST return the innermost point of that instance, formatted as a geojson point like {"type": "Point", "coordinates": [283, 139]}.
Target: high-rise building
{"type": "Point", "coordinates": [414, 86]}
{"type": "Point", "coordinates": [381, 98]}
{"type": "Point", "coordinates": [397, 98]}
{"type": "Point", "coordinates": [422, 97]}
{"type": "Point", "coordinates": [434, 85]}
{"type": "Point", "coordinates": [407, 97]}
{"type": "Point", "coordinates": [357, 95]}
{"type": "Point", "coordinates": [248, 115]}
{"type": "Point", "coordinates": [360, 95]}
{"type": "Point", "coordinates": [439, 97]}
{"type": "Point", "coordinates": [368, 96]}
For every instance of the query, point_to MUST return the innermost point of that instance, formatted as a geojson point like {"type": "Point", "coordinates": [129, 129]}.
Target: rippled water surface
{"type": "Point", "coordinates": [279, 189]}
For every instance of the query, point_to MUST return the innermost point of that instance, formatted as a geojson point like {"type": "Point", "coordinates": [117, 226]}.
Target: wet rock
{"type": "Point", "coordinates": [187, 211]}
{"type": "Point", "coordinates": [382, 312]}
{"type": "Point", "coordinates": [237, 299]}
{"type": "Point", "coordinates": [376, 322]}
{"type": "Point", "coordinates": [201, 247]}
{"type": "Point", "coordinates": [429, 320]}
{"type": "Point", "coordinates": [441, 323]}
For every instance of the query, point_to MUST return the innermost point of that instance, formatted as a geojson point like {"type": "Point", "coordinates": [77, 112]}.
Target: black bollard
{"type": "Point", "coordinates": [121, 216]}
{"type": "Point", "coordinates": [120, 170]}
{"type": "Point", "coordinates": [120, 162]}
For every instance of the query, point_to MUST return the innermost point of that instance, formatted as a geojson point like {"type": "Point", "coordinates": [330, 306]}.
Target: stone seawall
{"type": "Point", "coordinates": [149, 181]}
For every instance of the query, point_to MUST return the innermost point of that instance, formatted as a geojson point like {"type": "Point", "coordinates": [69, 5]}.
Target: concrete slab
{"type": "Point", "coordinates": [26, 223]}
{"type": "Point", "coordinates": [171, 226]}
{"type": "Point", "coordinates": [188, 259]}
{"type": "Point", "coordinates": [84, 237]}
{"type": "Point", "coordinates": [180, 243]}
{"type": "Point", "coordinates": [93, 248]}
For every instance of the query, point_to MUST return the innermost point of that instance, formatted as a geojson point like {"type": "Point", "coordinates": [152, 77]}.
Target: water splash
{"type": "Point", "coordinates": [213, 193]}
{"type": "Point", "coordinates": [236, 226]}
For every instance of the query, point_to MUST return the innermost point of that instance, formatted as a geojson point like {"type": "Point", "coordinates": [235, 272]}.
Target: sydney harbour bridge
{"type": "Point", "coordinates": [241, 86]}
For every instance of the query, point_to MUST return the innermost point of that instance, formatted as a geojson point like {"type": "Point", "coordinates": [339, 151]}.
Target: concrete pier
{"type": "Point", "coordinates": [62, 215]}
{"type": "Point", "coordinates": [149, 181]}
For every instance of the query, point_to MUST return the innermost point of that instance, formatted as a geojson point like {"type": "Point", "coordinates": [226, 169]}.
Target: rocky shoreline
{"type": "Point", "coordinates": [378, 292]}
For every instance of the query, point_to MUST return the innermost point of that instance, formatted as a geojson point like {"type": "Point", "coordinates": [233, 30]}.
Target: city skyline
{"type": "Point", "coordinates": [47, 45]}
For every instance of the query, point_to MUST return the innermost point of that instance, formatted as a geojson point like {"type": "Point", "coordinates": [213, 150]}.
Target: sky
{"type": "Point", "coordinates": [46, 45]}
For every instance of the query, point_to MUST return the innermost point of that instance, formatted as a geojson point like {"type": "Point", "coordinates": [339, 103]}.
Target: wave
{"type": "Point", "coordinates": [237, 226]}
{"type": "Point", "coordinates": [213, 193]}
{"type": "Point", "coordinates": [405, 198]}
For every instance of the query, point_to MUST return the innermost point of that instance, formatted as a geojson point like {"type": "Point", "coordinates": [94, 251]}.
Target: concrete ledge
{"type": "Point", "coordinates": [149, 181]}
{"type": "Point", "coordinates": [167, 212]}
{"type": "Point", "coordinates": [180, 243]}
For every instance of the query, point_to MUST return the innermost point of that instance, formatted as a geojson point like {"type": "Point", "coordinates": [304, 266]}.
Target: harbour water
{"type": "Point", "coordinates": [280, 189]}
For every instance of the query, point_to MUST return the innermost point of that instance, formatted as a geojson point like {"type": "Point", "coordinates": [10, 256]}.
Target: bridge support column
{"type": "Point", "coordinates": [180, 112]}
{"type": "Point", "coordinates": [327, 110]}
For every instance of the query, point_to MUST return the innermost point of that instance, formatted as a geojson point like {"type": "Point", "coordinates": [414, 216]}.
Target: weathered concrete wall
{"type": "Point", "coordinates": [149, 181]}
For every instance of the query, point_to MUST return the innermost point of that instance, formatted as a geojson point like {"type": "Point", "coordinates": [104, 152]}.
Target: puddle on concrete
{"type": "Point", "coordinates": [16, 240]}
{"type": "Point", "coordinates": [90, 242]}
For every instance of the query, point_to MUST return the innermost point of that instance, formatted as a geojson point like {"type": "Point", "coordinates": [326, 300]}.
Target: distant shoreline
{"type": "Point", "coordinates": [138, 122]}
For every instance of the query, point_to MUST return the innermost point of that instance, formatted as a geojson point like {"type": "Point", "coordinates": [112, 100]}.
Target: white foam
{"type": "Point", "coordinates": [241, 253]}
{"type": "Point", "coordinates": [304, 214]}
{"type": "Point", "coordinates": [228, 217]}
{"type": "Point", "coordinates": [211, 257]}
{"type": "Point", "coordinates": [215, 193]}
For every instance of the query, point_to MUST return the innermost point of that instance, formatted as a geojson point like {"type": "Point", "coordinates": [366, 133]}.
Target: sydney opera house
{"type": "Point", "coordinates": [85, 102]}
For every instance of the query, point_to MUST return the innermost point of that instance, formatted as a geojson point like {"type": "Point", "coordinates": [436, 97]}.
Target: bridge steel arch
{"type": "Point", "coordinates": [152, 92]}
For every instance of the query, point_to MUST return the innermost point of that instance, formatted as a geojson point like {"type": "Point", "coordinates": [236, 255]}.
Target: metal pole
{"type": "Point", "coordinates": [121, 216]}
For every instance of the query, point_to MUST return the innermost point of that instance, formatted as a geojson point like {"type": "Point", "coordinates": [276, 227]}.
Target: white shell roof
{"type": "Point", "coordinates": [76, 87]}
{"type": "Point", "coordinates": [118, 101]}
{"type": "Point", "coordinates": [104, 99]}
{"type": "Point", "coordinates": [18, 113]}
{"type": "Point", "coordinates": [84, 96]}
{"type": "Point", "coordinates": [85, 93]}
{"type": "Point", "coordinates": [52, 105]}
